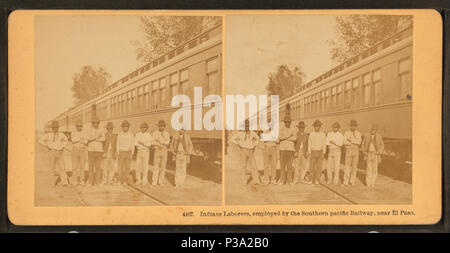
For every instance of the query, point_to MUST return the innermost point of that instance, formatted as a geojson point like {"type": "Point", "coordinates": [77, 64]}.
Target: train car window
{"type": "Point", "coordinates": [333, 99]}
{"type": "Point", "coordinates": [174, 84]}
{"type": "Point", "coordinates": [146, 99]}
{"type": "Point", "coordinates": [355, 92]}
{"type": "Point", "coordinates": [155, 63]}
{"type": "Point", "coordinates": [367, 89]}
{"type": "Point", "coordinates": [339, 100]}
{"type": "Point", "coordinates": [305, 106]}
{"type": "Point", "coordinates": [364, 55]}
{"type": "Point", "coordinates": [326, 100]}
{"type": "Point", "coordinates": [308, 105]}
{"type": "Point", "coordinates": [163, 90]}
{"type": "Point", "coordinates": [162, 59]}
{"type": "Point", "coordinates": [171, 54]}
{"type": "Point", "coordinates": [133, 100]}
{"type": "Point", "coordinates": [111, 108]}
{"type": "Point", "coordinates": [180, 50]}
{"type": "Point", "coordinates": [347, 94]}
{"type": "Point", "coordinates": [321, 105]}
{"type": "Point", "coordinates": [192, 44]}
{"type": "Point", "coordinates": [154, 101]}
{"type": "Point", "coordinates": [373, 50]}
{"type": "Point", "coordinates": [139, 105]}
{"type": "Point", "coordinates": [128, 105]}
{"type": "Point", "coordinates": [184, 80]}
{"type": "Point", "coordinates": [376, 80]}
{"type": "Point", "coordinates": [404, 79]}
{"type": "Point", "coordinates": [212, 77]}
{"type": "Point", "coordinates": [386, 44]}
{"type": "Point", "coordinates": [117, 106]}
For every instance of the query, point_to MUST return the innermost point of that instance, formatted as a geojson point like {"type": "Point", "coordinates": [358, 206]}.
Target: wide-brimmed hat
{"type": "Point", "coordinates": [301, 124]}
{"type": "Point", "coordinates": [353, 122]}
{"type": "Point", "coordinates": [125, 123]}
{"type": "Point", "coordinates": [317, 123]}
{"type": "Point", "coordinates": [144, 125]}
{"type": "Point", "coordinates": [79, 123]}
{"type": "Point", "coordinates": [95, 119]}
{"type": "Point", "coordinates": [161, 122]}
{"type": "Point", "coordinates": [55, 124]}
{"type": "Point", "coordinates": [336, 125]}
{"type": "Point", "coordinates": [109, 125]}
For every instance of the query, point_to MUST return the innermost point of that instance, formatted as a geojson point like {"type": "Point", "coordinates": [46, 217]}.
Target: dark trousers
{"type": "Point", "coordinates": [124, 166]}
{"type": "Point", "coordinates": [286, 159]}
{"type": "Point", "coordinates": [95, 167]}
{"type": "Point", "coordinates": [316, 165]}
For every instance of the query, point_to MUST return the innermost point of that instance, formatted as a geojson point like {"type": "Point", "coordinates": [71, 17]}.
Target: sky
{"type": "Point", "coordinates": [257, 44]}
{"type": "Point", "coordinates": [63, 44]}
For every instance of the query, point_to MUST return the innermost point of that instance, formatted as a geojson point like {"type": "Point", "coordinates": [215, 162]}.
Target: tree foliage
{"type": "Point", "coordinates": [357, 33]}
{"type": "Point", "coordinates": [89, 83]}
{"type": "Point", "coordinates": [164, 33]}
{"type": "Point", "coordinates": [285, 81]}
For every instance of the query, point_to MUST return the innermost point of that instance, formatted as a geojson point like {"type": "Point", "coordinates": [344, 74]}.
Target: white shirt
{"type": "Point", "coordinates": [99, 136]}
{"type": "Point", "coordinates": [145, 138]}
{"type": "Point", "coordinates": [352, 139]}
{"type": "Point", "coordinates": [245, 139]}
{"type": "Point", "coordinates": [291, 134]}
{"type": "Point", "coordinates": [335, 137]}
{"type": "Point", "coordinates": [125, 142]}
{"type": "Point", "coordinates": [161, 139]}
{"type": "Point", "coordinates": [316, 142]}
{"type": "Point", "coordinates": [55, 141]}
{"type": "Point", "coordinates": [79, 139]}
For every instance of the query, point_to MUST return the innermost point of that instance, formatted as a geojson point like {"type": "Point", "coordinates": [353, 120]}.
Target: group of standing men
{"type": "Point", "coordinates": [294, 147]}
{"type": "Point", "coordinates": [110, 154]}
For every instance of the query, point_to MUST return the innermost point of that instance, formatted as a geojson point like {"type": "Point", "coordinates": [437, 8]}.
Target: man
{"type": "Point", "coordinates": [352, 141]}
{"type": "Point", "coordinates": [246, 141]}
{"type": "Point", "coordinates": [95, 138]}
{"type": "Point", "coordinates": [182, 147]}
{"type": "Point", "coordinates": [79, 141]}
{"type": "Point", "coordinates": [334, 141]}
{"type": "Point", "coordinates": [373, 147]}
{"type": "Point", "coordinates": [125, 148]}
{"type": "Point", "coordinates": [109, 155]}
{"type": "Point", "coordinates": [67, 155]}
{"type": "Point", "coordinates": [143, 141]}
{"type": "Point", "coordinates": [55, 143]}
{"type": "Point", "coordinates": [270, 159]}
{"type": "Point", "coordinates": [287, 137]}
{"type": "Point", "coordinates": [161, 141]}
{"type": "Point", "coordinates": [316, 151]}
{"type": "Point", "coordinates": [301, 150]}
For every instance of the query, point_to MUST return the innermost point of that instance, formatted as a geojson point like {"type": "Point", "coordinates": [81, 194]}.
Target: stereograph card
{"type": "Point", "coordinates": [224, 117]}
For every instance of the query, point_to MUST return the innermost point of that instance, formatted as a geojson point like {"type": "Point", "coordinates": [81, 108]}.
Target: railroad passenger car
{"type": "Point", "coordinates": [145, 94]}
{"type": "Point", "coordinates": [374, 87]}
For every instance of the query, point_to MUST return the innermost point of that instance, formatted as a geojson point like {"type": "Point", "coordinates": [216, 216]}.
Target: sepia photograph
{"type": "Point", "coordinates": [104, 90]}
{"type": "Point", "coordinates": [343, 114]}
{"type": "Point", "coordinates": [224, 117]}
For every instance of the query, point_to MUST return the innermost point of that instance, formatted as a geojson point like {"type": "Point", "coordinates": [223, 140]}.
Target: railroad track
{"type": "Point", "coordinates": [156, 199]}
{"type": "Point", "coordinates": [270, 195]}
{"type": "Point", "coordinates": [83, 202]}
{"type": "Point", "coordinates": [342, 196]}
